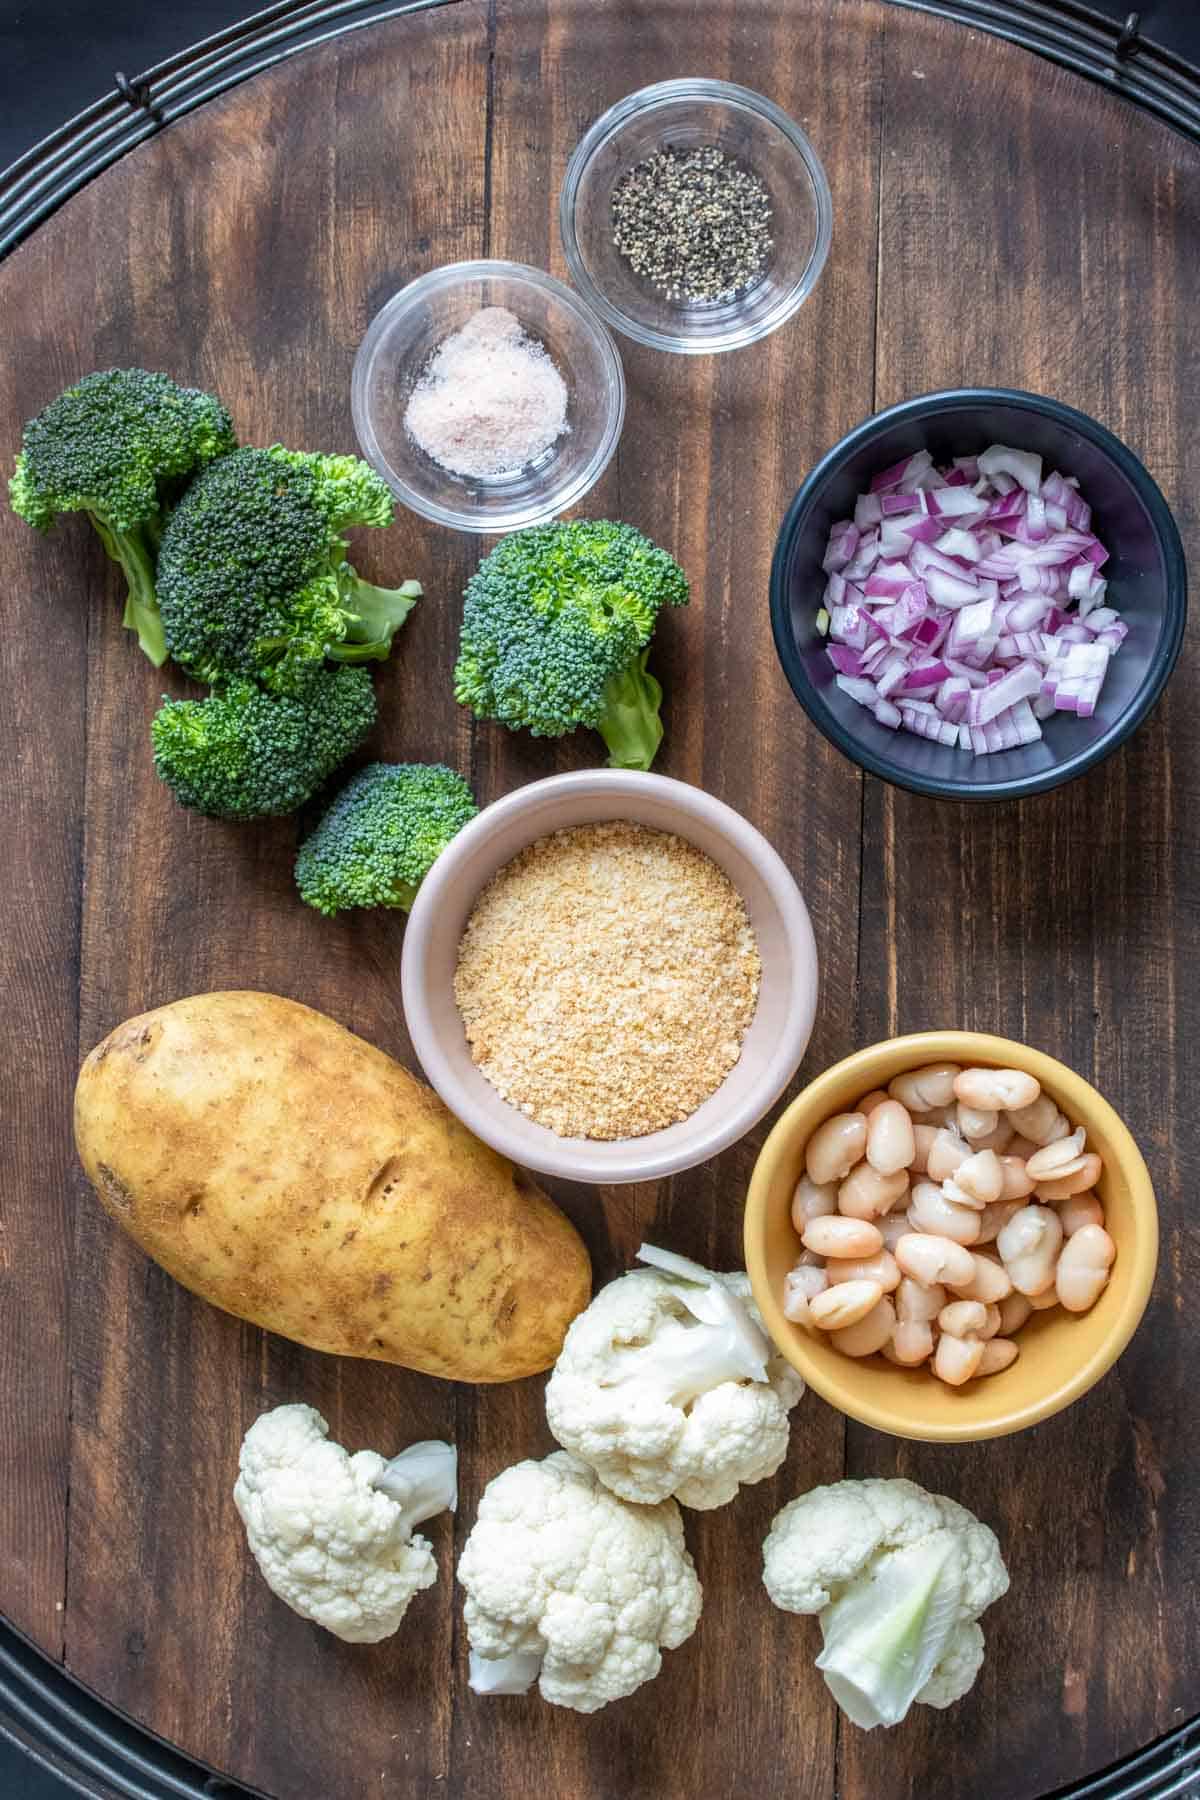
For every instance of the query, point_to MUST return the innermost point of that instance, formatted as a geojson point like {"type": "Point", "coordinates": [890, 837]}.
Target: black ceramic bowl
{"type": "Point", "coordinates": [1146, 575]}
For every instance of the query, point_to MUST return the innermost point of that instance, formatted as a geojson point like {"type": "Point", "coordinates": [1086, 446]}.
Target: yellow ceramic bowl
{"type": "Point", "coordinates": [1062, 1354]}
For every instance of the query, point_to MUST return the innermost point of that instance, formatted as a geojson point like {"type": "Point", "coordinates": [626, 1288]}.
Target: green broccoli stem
{"type": "Point", "coordinates": [376, 616]}
{"type": "Point", "coordinates": [133, 551]}
{"type": "Point", "coordinates": [630, 724]}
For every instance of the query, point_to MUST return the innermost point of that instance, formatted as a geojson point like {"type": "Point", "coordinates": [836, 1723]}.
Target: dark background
{"type": "Point", "coordinates": [57, 56]}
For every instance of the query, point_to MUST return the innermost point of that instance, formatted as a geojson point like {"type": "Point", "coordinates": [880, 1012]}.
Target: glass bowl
{"type": "Point", "coordinates": [396, 350]}
{"type": "Point", "coordinates": [684, 115]}
{"type": "Point", "coordinates": [1146, 573]}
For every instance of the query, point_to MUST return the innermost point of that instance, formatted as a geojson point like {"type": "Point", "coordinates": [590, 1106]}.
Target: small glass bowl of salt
{"type": "Point", "coordinates": [488, 396]}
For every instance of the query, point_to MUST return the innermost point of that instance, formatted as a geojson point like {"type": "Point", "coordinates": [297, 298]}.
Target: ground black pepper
{"type": "Point", "coordinates": [695, 223]}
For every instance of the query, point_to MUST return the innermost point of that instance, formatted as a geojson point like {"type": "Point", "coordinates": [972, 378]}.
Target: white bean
{"type": "Point", "coordinates": [835, 1147]}
{"type": "Point", "coordinates": [917, 1304]}
{"type": "Point", "coordinates": [841, 1237]}
{"type": "Point", "coordinates": [1036, 1121]}
{"type": "Point", "coordinates": [801, 1285]}
{"type": "Point", "coordinates": [941, 1115]}
{"type": "Point", "coordinates": [866, 1194]}
{"type": "Point", "coordinates": [912, 1343]}
{"type": "Point", "coordinates": [1020, 1147]}
{"type": "Point", "coordinates": [1080, 1210]}
{"type": "Point", "coordinates": [924, 1137]}
{"type": "Point", "coordinates": [964, 1318]}
{"type": "Point", "coordinates": [1017, 1184]}
{"type": "Point", "coordinates": [993, 1219]}
{"type": "Point", "coordinates": [957, 1359]}
{"type": "Point", "coordinates": [921, 1089]}
{"type": "Point", "coordinates": [930, 1210]}
{"type": "Point", "coordinates": [932, 1259]}
{"type": "Point", "coordinates": [997, 1140]}
{"type": "Point", "coordinates": [947, 1153]}
{"type": "Point", "coordinates": [1014, 1311]}
{"type": "Point", "coordinates": [812, 1202]}
{"type": "Point", "coordinates": [1054, 1160]}
{"type": "Point", "coordinates": [1083, 1268]}
{"type": "Point", "coordinates": [981, 1177]}
{"type": "Point", "coordinates": [872, 1332]}
{"type": "Point", "coordinates": [992, 1324]}
{"type": "Point", "coordinates": [892, 1227]}
{"type": "Point", "coordinates": [1000, 1353]}
{"type": "Point", "coordinates": [996, 1090]}
{"type": "Point", "coordinates": [1076, 1178]}
{"type": "Point", "coordinates": [1044, 1301]}
{"type": "Point", "coordinates": [891, 1145]}
{"type": "Point", "coordinates": [882, 1268]}
{"type": "Point", "coordinates": [869, 1102]}
{"type": "Point", "coordinates": [976, 1121]}
{"type": "Point", "coordinates": [1029, 1246]}
{"type": "Point", "coordinates": [990, 1282]}
{"type": "Point", "coordinates": [959, 1196]}
{"type": "Point", "coordinates": [844, 1305]}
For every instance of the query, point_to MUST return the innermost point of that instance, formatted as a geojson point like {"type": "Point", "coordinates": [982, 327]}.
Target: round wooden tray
{"type": "Point", "coordinates": [996, 221]}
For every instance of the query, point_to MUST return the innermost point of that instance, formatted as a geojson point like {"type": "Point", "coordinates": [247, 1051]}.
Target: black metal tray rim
{"type": "Point", "coordinates": [1066, 32]}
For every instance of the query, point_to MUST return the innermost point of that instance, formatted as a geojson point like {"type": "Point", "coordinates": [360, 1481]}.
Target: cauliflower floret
{"type": "Point", "coordinates": [332, 1533]}
{"type": "Point", "coordinates": [659, 1401]}
{"type": "Point", "coordinates": [899, 1577]}
{"type": "Point", "coordinates": [559, 1570]}
{"type": "Point", "coordinates": [955, 1675]}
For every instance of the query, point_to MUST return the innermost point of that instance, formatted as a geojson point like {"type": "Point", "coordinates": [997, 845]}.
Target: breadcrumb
{"type": "Point", "coordinates": [606, 978]}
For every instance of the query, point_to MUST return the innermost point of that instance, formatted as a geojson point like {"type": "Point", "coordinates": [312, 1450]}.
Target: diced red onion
{"type": "Point", "coordinates": [843, 542]}
{"type": "Point", "coordinates": [965, 604]}
{"type": "Point", "coordinates": [951, 590]}
{"type": "Point", "coordinates": [858, 689]}
{"type": "Point", "coordinates": [930, 674]}
{"type": "Point", "coordinates": [894, 540]}
{"type": "Point", "coordinates": [850, 625]}
{"type": "Point", "coordinates": [890, 676]}
{"type": "Point", "coordinates": [864, 558]}
{"type": "Point", "coordinates": [1022, 465]}
{"type": "Point", "coordinates": [959, 543]}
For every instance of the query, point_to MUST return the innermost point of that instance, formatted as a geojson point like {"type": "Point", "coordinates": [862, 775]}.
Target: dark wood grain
{"type": "Point", "coordinates": [994, 221]}
{"type": "Point", "coordinates": [44, 676]}
{"type": "Point", "coordinates": [243, 218]}
{"type": "Point", "coordinates": [1036, 233]}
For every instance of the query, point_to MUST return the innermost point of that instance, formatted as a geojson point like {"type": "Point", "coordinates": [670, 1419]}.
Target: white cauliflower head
{"type": "Point", "coordinates": [567, 1584]}
{"type": "Point", "coordinates": [665, 1396]}
{"type": "Point", "coordinates": [332, 1533]}
{"type": "Point", "coordinates": [899, 1577]}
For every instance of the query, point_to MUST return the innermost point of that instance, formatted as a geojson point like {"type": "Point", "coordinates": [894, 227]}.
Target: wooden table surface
{"type": "Point", "coordinates": [996, 221]}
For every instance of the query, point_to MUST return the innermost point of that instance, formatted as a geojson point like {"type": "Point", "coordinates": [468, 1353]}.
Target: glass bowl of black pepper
{"type": "Point", "coordinates": [695, 216]}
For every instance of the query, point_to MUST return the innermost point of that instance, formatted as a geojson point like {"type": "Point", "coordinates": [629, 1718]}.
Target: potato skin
{"type": "Point", "coordinates": [292, 1174]}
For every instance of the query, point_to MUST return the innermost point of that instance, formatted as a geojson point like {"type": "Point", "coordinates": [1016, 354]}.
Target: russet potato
{"type": "Point", "coordinates": [287, 1171]}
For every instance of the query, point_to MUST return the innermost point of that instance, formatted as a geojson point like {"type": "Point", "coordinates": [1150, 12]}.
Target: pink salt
{"type": "Point", "coordinates": [490, 400]}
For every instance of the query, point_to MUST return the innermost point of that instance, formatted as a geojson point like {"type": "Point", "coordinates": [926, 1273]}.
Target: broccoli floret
{"type": "Point", "coordinates": [243, 753]}
{"type": "Point", "coordinates": [556, 627]}
{"type": "Point", "coordinates": [117, 447]}
{"type": "Point", "coordinates": [252, 576]}
{"type": "Point", "coordinates": [378, 840]}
